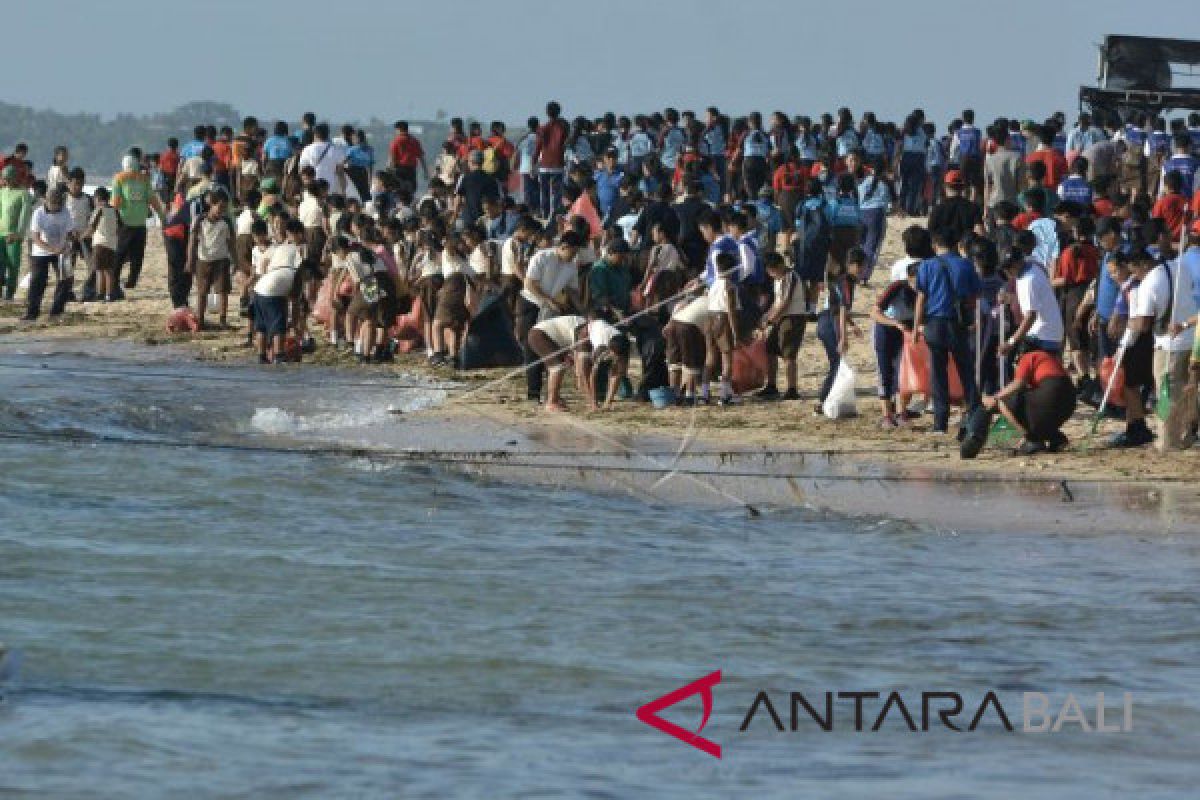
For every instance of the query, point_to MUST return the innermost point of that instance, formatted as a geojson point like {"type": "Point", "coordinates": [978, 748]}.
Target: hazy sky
{"type": "Point", "coordinates": [355, 59]}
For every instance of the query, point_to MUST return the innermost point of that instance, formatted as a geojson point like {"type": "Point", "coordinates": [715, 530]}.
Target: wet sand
{"type": "Point", "coordinates": [762, 453]}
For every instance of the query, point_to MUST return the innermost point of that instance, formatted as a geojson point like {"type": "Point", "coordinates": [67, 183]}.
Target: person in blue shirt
{"type": "Point", "coordinates": [756, 149]}
{"type": "Point", "coordinates": [276, 150]}
{"type": "Point", "coordinates": [875, 198]}
{"type": "Point", "coordinates": [360, 163]}
{"type": "Point", "coordinates": [947, 289]}
{"type": "Point", "coordinates": [196, 146]}
{"type": "Point", "coordinates": [608, 184]}
{"type": "Point", "coordinates": [1183, 162]}
{"type": "Point", "coordinates": [1075, 188]}
{"type": "Point", "coordinates": [770, 218]}
{"type": "Point", "coordinates": [712, 144]}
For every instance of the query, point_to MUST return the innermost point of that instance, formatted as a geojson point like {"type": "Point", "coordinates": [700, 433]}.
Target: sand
{"type": "Point", "coordinates": [494, 399]}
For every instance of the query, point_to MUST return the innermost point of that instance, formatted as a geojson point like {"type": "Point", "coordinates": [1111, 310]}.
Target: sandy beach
{"type": "Point", "coordinates": [492, 407]}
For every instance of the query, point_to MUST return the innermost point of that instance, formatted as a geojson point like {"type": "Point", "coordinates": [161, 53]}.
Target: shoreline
{"type": "Point", "coordinates": [830, 461]}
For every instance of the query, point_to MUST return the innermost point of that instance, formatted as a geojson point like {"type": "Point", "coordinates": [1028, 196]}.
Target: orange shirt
{"type": "Point", "coordinates": [222, 155]}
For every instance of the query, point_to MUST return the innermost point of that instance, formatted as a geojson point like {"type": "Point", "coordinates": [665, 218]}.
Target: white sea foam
{"type": "Point", "coordinates": [280, 422]}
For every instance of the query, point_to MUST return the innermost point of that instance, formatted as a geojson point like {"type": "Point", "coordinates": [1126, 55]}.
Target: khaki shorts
{"type": "Point", "coordinates": [1177, 365]}
{"type": "Point", "coordinates": [785, 336]}
{"type": "Point", "coordinates": [215, 274]}
{"type": "Point", "coordinates": [105, 259]}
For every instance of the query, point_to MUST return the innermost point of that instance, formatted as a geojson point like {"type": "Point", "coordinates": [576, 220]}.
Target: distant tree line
{"type": "Point", "coordinates": [97, 144]}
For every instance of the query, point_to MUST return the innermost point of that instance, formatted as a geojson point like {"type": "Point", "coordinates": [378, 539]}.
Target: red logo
{"type": "Point", "coordinates": [704, 687]}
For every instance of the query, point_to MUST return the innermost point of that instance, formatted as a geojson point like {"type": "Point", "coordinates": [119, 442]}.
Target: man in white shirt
{"type": "Point", "coordinates": [1165, 296]}
{"type": "Point", "coordinates": [550, 288]}
{"type": "Point", "coordinates": [327, 159]}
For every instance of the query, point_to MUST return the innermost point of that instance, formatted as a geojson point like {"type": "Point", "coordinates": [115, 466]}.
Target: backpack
{"type": "Point", "coordinates": [810, 250]}
{"type": "Point", "coordinates": [844, 212]}
{"type": "Point", "coordinates": [495, 164]}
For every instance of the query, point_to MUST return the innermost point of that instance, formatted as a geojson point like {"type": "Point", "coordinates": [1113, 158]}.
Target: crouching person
{"type": "Point", "coordinates": [552, 342]}
{"type": "Point", "coordinates": [604, 345]}
{"type": "Point", "coordinates": [276, 295]}
{"type": "Point", "coordinates": [1038, 401]}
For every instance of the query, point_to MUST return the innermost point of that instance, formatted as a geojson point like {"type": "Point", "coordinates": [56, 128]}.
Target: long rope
{"type": "Point", "coordinates": [512, 461]}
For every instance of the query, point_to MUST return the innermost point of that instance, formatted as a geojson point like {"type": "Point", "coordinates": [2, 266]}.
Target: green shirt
{"type": "Point", "coordinates": [609, 286]}
{"type": "Point", "coordinates": [131, 196]}
{"type": "Point", "coordinates": [16, 209]}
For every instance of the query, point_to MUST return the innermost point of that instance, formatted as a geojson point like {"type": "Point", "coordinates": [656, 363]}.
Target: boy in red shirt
{"type": "Point", "coordinates": [1056, 162]}
{"type": "Point", "coordinates": [1078, 265]}
{"type": "Point", "coordinates": [1172, 207]}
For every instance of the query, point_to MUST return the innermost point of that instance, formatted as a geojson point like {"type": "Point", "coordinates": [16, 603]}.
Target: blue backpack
{"type": "Point", "coordinates": [844, 212]}
{"type": "Point", "coordinates": [810, 249]}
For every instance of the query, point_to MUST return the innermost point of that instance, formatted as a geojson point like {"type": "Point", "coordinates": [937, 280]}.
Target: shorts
{"type": "Point", "coordinates": [685, 345]}
{"type": "Point", "coordinates": [785, 336]}
{"type": "Point", "coordinates": [427, 288]}
{"type": "Point", "coordinates": [104, 259]}
{"type": "Point", "coordinates": [545, 349]}
{"type": "Point", "coordinates": [720, 334]}
{"type": "Point", "coordinates": [316, 239]}
{"type": "Point", "coordinates": [1175, 365]}
{"type": "Point", "coordinates": [1072, 299]}
{"type": "Point", "coordinates": [269, 314]}
{"type": "Point", "coordinates": [243, 248]}
{"type": "Point", "coordinates": [1139, 362]}
{"type": "Point", "coordinates": [214, 274]}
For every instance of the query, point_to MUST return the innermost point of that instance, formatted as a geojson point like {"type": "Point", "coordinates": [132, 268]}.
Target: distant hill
{"type": "Point", "coordinates": [97, 144]}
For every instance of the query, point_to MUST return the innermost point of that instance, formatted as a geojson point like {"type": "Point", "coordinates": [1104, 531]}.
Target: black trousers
{"type": "Point", "coordinates": [179, 282]}
{"type": "Point", "coordinates": [39, 277]}
{"type": "Point", "coordinates": [131, 249]}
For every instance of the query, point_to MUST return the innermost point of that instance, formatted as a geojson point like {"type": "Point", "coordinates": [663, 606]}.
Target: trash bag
{"type": "Point", "coordinates": [750, 366]}
{"type": "Point", "coordinates": [182, 320]}
{"type": "Point", "coordinates": [841, 401]}
{"type": "Point", "coordinates": [915, 377]}
{"type": "Point", "coordinates": [408, 330]}
{"type": "Point", "coordinates": [978, 426]}
{"type": "Point", "coordinates": [490, 341]}
{"type": "Point", "coordinates": [1116, 397]}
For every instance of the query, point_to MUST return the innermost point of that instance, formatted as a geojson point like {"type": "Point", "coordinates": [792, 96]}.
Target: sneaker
{"type": "Point", "coordinates": [766, 393]}
{"type": "Point", "coordinates": [889, 424]}
{"type": "Point", "coordinates": [1132, 437]}
{"type": "Point", "coordinates": [791, 394]}
{"type": "Point", "coordinates": [728, 400]}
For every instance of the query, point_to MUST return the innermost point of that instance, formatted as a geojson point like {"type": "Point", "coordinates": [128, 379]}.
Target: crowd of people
{"type": "Point", "coordinates": [1045, 264]}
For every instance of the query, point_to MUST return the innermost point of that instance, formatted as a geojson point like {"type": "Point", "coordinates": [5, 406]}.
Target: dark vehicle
{"type": "Point", "coordinates": [1143, 74]}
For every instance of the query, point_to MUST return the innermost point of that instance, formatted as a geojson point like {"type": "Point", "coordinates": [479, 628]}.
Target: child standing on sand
{"type": "Point", "coordinates": [275, 290]}
{"type": "Point", "coordinates": [103, 231]}
{"type": "Point", "coordinates": [783, 327]}
{"type": "Point", "coordinates": [210, 253]}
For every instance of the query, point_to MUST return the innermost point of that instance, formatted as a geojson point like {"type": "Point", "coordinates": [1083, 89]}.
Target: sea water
{"type": "Point", "coordinates": [230, 622]}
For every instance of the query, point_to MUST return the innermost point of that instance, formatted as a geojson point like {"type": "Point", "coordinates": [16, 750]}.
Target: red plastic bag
{"type": "Point", "coordinates": [750, 366]}
{"type": "Point", "coordinates": [323, 311]}
{"type": "Point", "coordinates": [915, 377]}
{"type": "Point", "coordinates": [1117, 396]}
{"type": "Point", "coordinates": [408, 329]}
{"type": "Point", "coordinates": [182, 320]}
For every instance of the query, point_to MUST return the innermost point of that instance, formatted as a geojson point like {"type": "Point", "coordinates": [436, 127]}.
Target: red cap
{"type": "Point", "coordinates": [953, 178]}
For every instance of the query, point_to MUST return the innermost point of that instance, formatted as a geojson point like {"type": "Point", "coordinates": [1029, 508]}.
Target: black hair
{"type": "Point", "coordinates": [917, 242]}
{"type": "Point", "coordinates": [259, 227]}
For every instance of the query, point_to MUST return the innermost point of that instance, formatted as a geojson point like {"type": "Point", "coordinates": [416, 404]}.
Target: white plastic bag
{"type": "Point", "coordinates": [214, 301]}
{"type": "Point", "coordinates": [840, 402]}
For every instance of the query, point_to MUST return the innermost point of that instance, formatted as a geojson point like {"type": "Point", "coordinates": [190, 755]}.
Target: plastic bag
{"type": "Point", "coordinates": [214, 301]}
{"type": "Point", "coordinates": [750, 366]}
{"type": "Point", "coordinates": [915, 376]}
{"type": "Point", "coordinates": [841, 402]}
